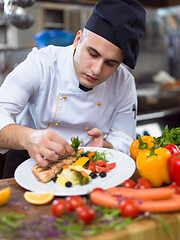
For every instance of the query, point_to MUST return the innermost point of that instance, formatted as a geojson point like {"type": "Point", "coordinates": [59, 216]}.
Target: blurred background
{"type": "Point", "coordinates": [25, 24]}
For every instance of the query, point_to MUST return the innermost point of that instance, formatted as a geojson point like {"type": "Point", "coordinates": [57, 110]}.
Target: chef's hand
{"type": "Point", "coordinates": [45, 145]}
{"type": "Point", "coordinates": [96, 139]}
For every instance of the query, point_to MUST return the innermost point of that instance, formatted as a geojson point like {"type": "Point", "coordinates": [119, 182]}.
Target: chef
{"type": "Point", "coordinates": [82, 90]}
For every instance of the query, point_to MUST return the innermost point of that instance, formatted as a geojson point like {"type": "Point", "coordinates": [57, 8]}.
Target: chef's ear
{"type": "Point", "coordinates": [77, 38]}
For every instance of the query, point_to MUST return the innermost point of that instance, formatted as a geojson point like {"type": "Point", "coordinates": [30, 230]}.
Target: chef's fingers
{"type": "Point", "coordinates": [61, 148]}
{"type": "Point", "coordinates": [48, 154]}
{"type": "Point", "coordinates": [95, 132]}
{"type": "Point", "coordinates": [40, 160]}
{"type": "Point", "coordinates": [59, 144]}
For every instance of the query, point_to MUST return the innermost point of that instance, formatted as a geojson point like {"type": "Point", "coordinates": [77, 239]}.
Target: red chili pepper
{"type": "Point", "coordinates": [174, 168]}
{"type": "Point", "coordinates": [172, 148]}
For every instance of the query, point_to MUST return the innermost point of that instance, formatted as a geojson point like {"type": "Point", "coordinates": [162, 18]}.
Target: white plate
{"type": "Point", "coordinates": [125, 167]}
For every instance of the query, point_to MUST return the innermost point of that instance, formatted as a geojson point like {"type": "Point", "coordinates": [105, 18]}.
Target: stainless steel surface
{"type": "Point", "coordinates": [24, 3]}
{"type": "Point", "coordinates": [17, 15]}
{"type": "Point", "coordinates": [20, 18]}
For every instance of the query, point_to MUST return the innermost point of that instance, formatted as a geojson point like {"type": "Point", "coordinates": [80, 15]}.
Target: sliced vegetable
{"type": "Point", "coordinates": [81, 161]}
{"type": "Point", "coordinates": [141, 144]}
{"type": "Point", "coordinates": [149, 193]}
{"type": "Point", "coordinates": [152, 164]}
{"type": "Point", "coordinates": [92, 166]}
{"type": "Point", "coordinates": [84, 174]}
{"type": "Point", "coordinates": [91, 154]}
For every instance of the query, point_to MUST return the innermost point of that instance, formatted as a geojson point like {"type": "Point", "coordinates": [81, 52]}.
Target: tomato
{"type": "Point", "coordinates": [75, 201]}
{"type": "Point", "coordinates": [86, 214]}
{"type": "Point", "coordinates": [143, 183]}
{"type": "Point", "coordinates": [97, 189]}
{"type": "Point", "coordinates": [110, 165]}
{"type": "Point", "coordinates": [129, 183]}
{"type": "Point", "coordinates": [92, 166]}
{"type": "Point", "coordinates": [58, 207]}
{"type": "Point", "coordinates": [100, 163]}
{"type": "Point", "coordinates": [129, 209]}
{"type": "Point", "coordinates": [101, 169]}
{"type": "Point", "coordinates": [175, 187]}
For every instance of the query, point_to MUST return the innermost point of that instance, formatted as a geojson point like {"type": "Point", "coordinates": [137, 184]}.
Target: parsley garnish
{"type": "Point", "coordinates": [75, 144]}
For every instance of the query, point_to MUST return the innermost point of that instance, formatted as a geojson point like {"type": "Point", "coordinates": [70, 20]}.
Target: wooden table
{"type": "Point", "coordinates": [142, 230]}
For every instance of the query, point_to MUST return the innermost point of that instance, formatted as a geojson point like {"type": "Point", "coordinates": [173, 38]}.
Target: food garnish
{"type": "Point", "coordinates": [4, 195]}
{"type": "Point", "coordinates": [75, 144]}
{"type": "Point", "coordinates": [169, 136]}
{"type": "Point", "coordinates": [38, 198]}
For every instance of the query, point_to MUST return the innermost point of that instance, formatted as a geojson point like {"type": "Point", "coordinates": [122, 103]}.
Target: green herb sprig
{"type": "Point", "coordinates": [169, 136]}
{"type": "Point", "coordinates": [75, 144]}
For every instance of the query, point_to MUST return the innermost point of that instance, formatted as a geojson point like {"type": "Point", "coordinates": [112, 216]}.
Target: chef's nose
{"type": "Point", "coordinates": [97, 67]}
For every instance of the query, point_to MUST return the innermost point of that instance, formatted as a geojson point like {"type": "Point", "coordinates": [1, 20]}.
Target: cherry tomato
{"type": "Point", "coordinates": [75, 201]}
{"type": "Point", "coordinates": [129, 209]}
{"type": "Point", "coordinates": [86, 214]}
{"type": "Point", "coordinates": [143, 183]}
{"type": "Point", "coordinates": [175, 187]}
{"type": "Point", "coordinates": [129, 183]}
{"type": "Point", "coordinates": [58, 207]}
{"type": "Point", "coordinates": [97, 189]}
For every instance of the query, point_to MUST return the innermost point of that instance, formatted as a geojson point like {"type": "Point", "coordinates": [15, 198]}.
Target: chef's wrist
{"type": "Point", "coordinates": [107, 144]}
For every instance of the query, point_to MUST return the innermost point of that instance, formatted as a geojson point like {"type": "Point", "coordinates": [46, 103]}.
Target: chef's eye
{"type": "Point", "coordinates": [110, 63]}
{"type": "Point", "coordinates": [93, 53]}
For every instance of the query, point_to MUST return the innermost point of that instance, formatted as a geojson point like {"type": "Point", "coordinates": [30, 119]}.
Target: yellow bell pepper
{"type": "Point", "coordinates": [81, 161]}
{"type": "Point", "coordinates": [152, 164]}
{"type": "Point", "coordinates": [141, 144]}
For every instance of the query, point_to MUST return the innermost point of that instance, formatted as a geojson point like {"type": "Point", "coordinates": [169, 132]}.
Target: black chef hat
{"type": "Point", "coordinates": [121, 22]}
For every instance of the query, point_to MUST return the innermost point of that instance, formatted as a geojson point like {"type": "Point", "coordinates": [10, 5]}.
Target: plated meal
{"type": "Point", "coordinates": [77, 170]}
{"type": "Point", "coordinates": [124, 169]}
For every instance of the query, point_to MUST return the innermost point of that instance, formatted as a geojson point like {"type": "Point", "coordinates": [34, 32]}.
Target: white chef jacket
{"type": "Point", "coordinates": [43, 92]}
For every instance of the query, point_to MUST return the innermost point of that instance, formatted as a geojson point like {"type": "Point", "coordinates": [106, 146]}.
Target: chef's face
{"type": "Point", "coordinates": [95, 58]}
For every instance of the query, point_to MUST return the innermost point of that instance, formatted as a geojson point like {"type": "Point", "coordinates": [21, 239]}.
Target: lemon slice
{"type": "Point", "coordinates": [38, 198]}
{"type": "Point", "coordinates": [4, 195]}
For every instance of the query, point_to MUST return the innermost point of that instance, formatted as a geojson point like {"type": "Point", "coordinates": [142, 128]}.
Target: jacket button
{"type": "Point", "coordinates": [86, 128]}
{"type": "Point", "coordinates": [64, 96]}
{"type": "Point", "coordinates": [99, 104]}
{"type": "Point", "coordinates": [56, 124]}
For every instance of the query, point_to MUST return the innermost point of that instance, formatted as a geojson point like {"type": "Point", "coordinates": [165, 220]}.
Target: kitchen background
{"type": "Point", "coordinates": [157, 66]}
